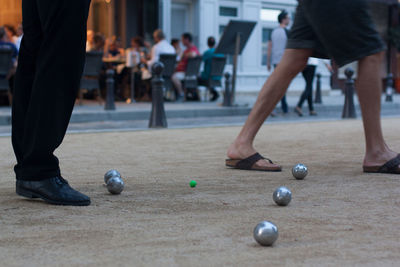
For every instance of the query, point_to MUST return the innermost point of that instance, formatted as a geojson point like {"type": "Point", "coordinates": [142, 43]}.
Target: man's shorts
{"type": "Point", "coordinates": [179, 75]}
{"type": "Point", "coordinates": [342, 30]}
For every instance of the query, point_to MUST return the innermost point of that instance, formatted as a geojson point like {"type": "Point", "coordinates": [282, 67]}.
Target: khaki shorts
{"type": "Point", "coordinates": [342, 30]}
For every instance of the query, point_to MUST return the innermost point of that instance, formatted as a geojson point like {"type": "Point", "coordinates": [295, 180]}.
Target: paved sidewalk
{"type": "Point", "coordinates": [91, 111]}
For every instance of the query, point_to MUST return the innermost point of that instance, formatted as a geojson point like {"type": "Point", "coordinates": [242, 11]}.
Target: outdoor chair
{"type": "Point", "coordinates": [217, 70]}
{"type": "Point", "coordinates": [169, 61]}
{"type": "Point", "coordinates": [5, 67]}
{"type": "Point", "coordinates": [91, 73]}
{"type": "Point", "coordinates": [190, 83]}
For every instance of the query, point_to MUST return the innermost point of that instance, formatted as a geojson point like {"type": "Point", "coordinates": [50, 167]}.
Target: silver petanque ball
{"type": "Point", "coordinates": [300, 171]}
{"type": "Point", "coordinates": [110, 174]}
{"type": "Point", "coordinates": [115, 185]}
{"type": "Point", "coordinates": [282, 196]}
{"type": "Point", "coordinates": [265, 233]}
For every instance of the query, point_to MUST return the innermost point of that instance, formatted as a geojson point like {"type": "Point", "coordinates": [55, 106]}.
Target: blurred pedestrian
{"type": "Point", "coordinates": [276, 48]}
{"type": "Point", "coordinates": [309, 75]}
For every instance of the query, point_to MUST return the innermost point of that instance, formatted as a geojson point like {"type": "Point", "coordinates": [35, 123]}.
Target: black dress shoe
{"type": "Point", "coordinates": [54, 191]}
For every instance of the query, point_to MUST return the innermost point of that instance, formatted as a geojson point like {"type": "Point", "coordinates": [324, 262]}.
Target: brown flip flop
{"type": "Point", "coordinates": [391, 167]}
{"type": "Point", "coordinates": [249, 164]}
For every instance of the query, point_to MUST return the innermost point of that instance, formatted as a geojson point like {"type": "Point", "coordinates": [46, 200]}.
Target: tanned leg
{"type": "Point", "coordinates": [293, 61]}
{"type": "Point", "coordinates": [178, 84]}
{"type": "Point", "coordinates": [369, 89]}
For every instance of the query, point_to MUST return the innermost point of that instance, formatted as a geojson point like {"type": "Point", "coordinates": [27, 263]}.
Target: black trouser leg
{"type": "Point", "coordinates": [49, 71]}
{"type": "Point", "coordinates": [284, 105]}
{"type": "Point", "coordinates": [308, 74]}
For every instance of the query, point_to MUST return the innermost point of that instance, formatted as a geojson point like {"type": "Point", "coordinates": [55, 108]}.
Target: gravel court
{"type": "Point", "coordinates": [338, 215]}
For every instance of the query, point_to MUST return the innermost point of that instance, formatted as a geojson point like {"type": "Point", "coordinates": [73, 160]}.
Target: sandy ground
{"type": "Point", "coordinates": [338, 216]}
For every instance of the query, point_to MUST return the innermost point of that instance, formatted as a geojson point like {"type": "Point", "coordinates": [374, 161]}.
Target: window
{"type": "Point", "coordinates": [228, 11]}
{"type": "Point", "coordinates": [267, 14]}
{"type": "Point", "coordinates": [266, 36]}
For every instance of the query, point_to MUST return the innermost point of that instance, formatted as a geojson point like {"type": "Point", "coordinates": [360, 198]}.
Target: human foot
{"type": "Point", "coordinates": [298, 111]}
{"type": "Point", "coordinates": [55, 191]}
{"type": "Point", "coordinates": [386, 162]}
{"type": "Point", "coordinates": [238, 151]}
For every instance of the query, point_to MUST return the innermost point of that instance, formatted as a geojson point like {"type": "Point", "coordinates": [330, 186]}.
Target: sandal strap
{"type": "Point", "coordinates": [247, 163]}
{"type": "Point", "coordinates": [391, 165]}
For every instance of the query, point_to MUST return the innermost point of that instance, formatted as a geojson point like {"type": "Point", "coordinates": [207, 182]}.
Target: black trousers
{"type": "Point", "coordinates": [50, 66]}
{"type": "Point", "coordinates": [308, 74]}
{"type": "Point", "coordinates": [284, 104]}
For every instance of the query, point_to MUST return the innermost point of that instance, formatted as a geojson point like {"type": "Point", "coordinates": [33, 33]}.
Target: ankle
{"type": "Point", "coordinates": [379, 155]}
{"type": "Point", "coordinates": [377, 150]}
{"type": "Point", "coordinates": [243, 142]}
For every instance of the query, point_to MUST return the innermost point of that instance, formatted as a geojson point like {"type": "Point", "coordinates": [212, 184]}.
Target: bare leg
{"type": "Point", "coordinates": [177, 83]}
{"type": "Point", "coordinates": [293, 61]}
{"type": "Point", "coordinates": [369, 86]}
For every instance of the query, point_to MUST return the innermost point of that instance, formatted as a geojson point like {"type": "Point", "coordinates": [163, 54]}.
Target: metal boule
{"type": "Point", "coordinates": [300, 171]}
{"type": "Point", "coordinates": [282, 196]}
{"type": "Point", "coordinates": [115, 185]}
{"type": "Point", "coordinates": [265, 233]}
{"type": "Point", "coordinates": [110, 174]}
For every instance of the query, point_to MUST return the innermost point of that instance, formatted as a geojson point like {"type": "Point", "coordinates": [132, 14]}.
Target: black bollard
{"type": "Point", "coordinates": [158, 118]}
{"type": "Point", "coordinates": [389, 88]}
{"type": "Point", "coordinates": [110, 105]}
{"type": "Point", "coordinates": [228, 95]}
{"type": "Point", "coordinates": [318, 94]}
{"type": "Point", "coordinates": [349, 110]}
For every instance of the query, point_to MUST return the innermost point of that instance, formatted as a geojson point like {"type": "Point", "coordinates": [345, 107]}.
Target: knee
{"type": "Point", "coordinates": [375, 58]}
{"type": "Point", "coordinates": [298, 65]}
{"type": "Point", "coordinates": [294, 63]}
{"type": "Point", "coordinates": [173, 77]}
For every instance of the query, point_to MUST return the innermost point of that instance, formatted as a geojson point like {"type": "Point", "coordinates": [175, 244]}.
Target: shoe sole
{"type": "Point", "coordinates": [30, 194]}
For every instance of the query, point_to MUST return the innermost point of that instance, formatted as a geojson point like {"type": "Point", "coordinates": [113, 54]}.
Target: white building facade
{"type": "Point", "coordinates": [204, 18]}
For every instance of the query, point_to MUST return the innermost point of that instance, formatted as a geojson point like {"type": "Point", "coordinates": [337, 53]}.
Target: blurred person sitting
{"type": "Point", "coordinates": [137, 56]}
{"type": "Point", "coordinates": [112, 48]}
{"type": "Point", "coordinates": [190, 52]}
{"type": "Point", "coordinates": [98, 43]}
{"type": "Point", "coordinates": [161, 47]}
{"type": "Point", "coordinates": [20, 33]}
{"type": "Point", "coordinates": [176, 44]}
{"type": "Point", "coordinates": [207, 58]}
{"type": "Point", "coordinates": [5, 43]}
{"type": "Point", "coordinates": [138, 51]}
{"type": "Point", "coordinates": [89, 40]}
{"type": "Point", "coordinates": [11, 33]}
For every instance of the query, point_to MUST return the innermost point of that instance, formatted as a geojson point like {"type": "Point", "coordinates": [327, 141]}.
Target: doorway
{"type": "Point", "coordinates": [184, 18]}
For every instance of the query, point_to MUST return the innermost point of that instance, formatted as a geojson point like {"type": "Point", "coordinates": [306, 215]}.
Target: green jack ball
{"type": "Point", "coordinates": [193, 184]}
